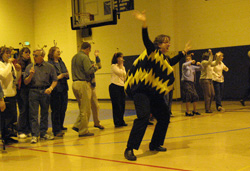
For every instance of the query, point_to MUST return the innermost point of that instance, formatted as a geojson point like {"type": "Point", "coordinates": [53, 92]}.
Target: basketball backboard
{"type": "Point", "coordinates": [92, 13]}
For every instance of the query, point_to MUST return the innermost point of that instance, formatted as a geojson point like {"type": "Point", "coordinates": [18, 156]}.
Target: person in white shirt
{"type": "Point", "coordinates": [218, 80]}
{"type": "Point", "coordinates": [206, 76]}
{"type": "Point", "coordinates": [10, 72]}
{"type": "Point", "coordinates": [116, 89]}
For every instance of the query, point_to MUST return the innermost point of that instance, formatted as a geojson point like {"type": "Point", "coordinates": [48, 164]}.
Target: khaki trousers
{"type": "Point", "coordinates": [208, 92]}
{"type": "Point", "coordinates": [87, 101]}
{"type": "Point", "coordinates": [95, 107]}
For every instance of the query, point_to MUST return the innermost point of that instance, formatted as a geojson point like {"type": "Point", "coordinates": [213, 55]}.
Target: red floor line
{"type": "Point", "coordinates": [96, 158]}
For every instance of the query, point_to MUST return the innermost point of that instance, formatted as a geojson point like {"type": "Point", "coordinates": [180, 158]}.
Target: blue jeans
{"type": "Point", "coordinates": [38, 97]}
{"type": "Point", "coordinates": [218, 89]}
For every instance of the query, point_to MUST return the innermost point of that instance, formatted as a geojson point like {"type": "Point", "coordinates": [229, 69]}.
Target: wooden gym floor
{"type": "Point", "coordinates": [210, 142]}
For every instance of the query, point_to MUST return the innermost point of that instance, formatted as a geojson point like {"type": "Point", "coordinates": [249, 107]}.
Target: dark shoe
{"type": "Point", "coordinates": [10, 141]}
{"type": "Point", "coordinates": [160, 148]}
{"type": "Point", "coordinates": [124, 124]}
{"type": "Point", "coordinates": [75, 129]}
{"type": "Point", "coordinates": [118, 126]}
{"type": "Point", "coordinates": [99, 126]}
{"type": "Point", "coordinates": [150, 123]}
{"type": "Point", "coordinates": [129, 155]}
{"type": "Point", "coordinates": [242, 102]}
{"type": "Point", "coordinates": [209, 111]}
{"type": "Point", "coordinates": [59, 134]}
{"type": "Point", "coordinates": [196, 113]}
{"type": "Point", "coordinates": [64, 128]}
{"type": "Point", "coordinates": [189, 114]}
{"type": "Point", "coordinates": [86, 135]}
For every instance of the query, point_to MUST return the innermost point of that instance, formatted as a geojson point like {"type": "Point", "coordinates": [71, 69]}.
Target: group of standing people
{"type": "Point", "coordinates": [32, 85]}
{"type": "Point", "coordinates": [211, 81]}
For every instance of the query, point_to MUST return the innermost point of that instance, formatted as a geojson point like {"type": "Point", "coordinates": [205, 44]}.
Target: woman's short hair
{"type": "Point", "coordinates": [160, 39]}
{"type": "Point", "coordinates": [205, 56]}
{"type": "Point", "coordinates": [51, 52]}
{"type": "Point", "coordinates": [116, 55]}
{"type": "Point", "coordinates": [4, 49]}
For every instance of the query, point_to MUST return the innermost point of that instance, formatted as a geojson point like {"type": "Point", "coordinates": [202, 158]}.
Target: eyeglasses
{"type": "Point", "coordinates": [36, 55]}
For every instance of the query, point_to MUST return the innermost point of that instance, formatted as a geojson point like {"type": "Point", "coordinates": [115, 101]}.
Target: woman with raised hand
{"type": "Point", "coordinates": [10, 72]}
{"type": "Point", "coordinates": [206, 77]}
{"type": "Point", "coordinates": [116, 89]}
{"type": "Point", "coordinates": [218, 80]}
{"type": "Point", "coordinates": [24, 129]}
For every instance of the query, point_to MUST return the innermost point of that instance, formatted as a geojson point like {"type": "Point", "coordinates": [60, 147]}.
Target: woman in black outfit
{"type": "Point", "coordinates": [59, 96]}
{"type": "Point", "coordinates": [116, 89]}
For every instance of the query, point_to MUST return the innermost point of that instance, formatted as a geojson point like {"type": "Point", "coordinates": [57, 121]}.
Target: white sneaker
{"type": "Point", "coordinates": [221, 109]}
{"type": "Point", "coordinates": [47, 137]}
{"type": "Point", "coordinates": [22, 136]}
{"type": "Point", "coordinates": [33, 140]}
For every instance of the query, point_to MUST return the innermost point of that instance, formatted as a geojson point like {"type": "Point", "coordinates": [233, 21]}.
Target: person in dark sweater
{"type": "Point", "coordinates": [24, 129]}
{"type": "Point", "coordinates": [149, 79]}
{"type": "Point", "coordinates": [59, 97]}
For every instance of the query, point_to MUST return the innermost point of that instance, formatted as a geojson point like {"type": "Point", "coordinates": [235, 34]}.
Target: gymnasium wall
{"type": "Point", "coordinates": [16, 22]}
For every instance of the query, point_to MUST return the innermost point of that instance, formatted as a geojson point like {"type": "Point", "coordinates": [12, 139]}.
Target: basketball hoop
{"type": "Point", "coordinates": [82, 19]}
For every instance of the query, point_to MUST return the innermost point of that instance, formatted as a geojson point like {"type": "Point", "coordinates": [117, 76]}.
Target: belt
{"type": "Point", "coordinates": [40, 88]}
{"type": "Point", "coordinates": [80, 80]}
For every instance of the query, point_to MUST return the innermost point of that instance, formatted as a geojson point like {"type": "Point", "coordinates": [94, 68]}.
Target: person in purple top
{"type": "Point", "coordinates": [188, 84]}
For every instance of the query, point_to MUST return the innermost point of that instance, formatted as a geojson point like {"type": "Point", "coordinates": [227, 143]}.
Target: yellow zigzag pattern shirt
{"type": "Point", "coordinates": [151, 73]}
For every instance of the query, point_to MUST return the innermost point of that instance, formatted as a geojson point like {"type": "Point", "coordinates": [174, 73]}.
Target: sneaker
{"type": "Point", "coordinates": [47, 137]}
{"type": "Point", "coordinates": [22, 136]}
{"type": "Point", "coordinates": [33, 140]}
{"type": "Point", "coordinates": [219, 108]}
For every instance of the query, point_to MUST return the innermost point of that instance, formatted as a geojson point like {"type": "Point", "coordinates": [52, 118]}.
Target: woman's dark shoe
{"type": "Point", "coordinates": [159, 148]}
{"type": "Point", "coordinates": [118, 126]}
{"type": "Point", "coordinates": [196, 113]}
{"type": "Point", "coordinates": [188, 114]}
{"type": "Point", "coordinates": [242, 102]}
{"type": "Point", "coordinates": [129, 154]}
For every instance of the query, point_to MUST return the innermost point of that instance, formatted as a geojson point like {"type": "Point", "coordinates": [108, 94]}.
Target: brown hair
{"type": "Point", "coordinates": [3, 49]}
{"type": "Point", "coordinates": [51, 52]}
{"type": "Point", "coordinates": [116, 55]}
{"type": "Point", "coordinates": [160, 39]}
{"type": "Point", "coordinates": [20, 57]}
